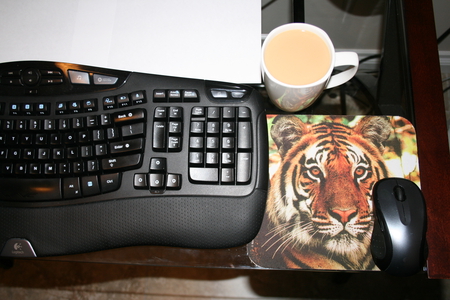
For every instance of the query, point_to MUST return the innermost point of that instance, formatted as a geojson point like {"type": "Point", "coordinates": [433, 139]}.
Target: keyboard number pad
{"type": "Point", "coordinates": [220, 145]}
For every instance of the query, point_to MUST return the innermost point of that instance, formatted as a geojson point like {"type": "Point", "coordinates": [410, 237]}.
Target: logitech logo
{"type": "Point", "coordinates": [17, 249]}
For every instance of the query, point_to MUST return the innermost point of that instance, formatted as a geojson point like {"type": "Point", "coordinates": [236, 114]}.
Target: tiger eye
{"type": "Point", "coordinates": [360, 171]}
{"type": "Point", "coordinates": [316, 171]}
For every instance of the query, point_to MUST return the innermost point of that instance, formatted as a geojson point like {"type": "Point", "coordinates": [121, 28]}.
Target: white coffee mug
{"type": "Point", "coordinates": [294, 97]}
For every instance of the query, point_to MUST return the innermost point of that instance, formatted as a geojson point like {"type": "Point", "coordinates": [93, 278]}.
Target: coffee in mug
{"type": "Point", "coordinates": [297, 62]}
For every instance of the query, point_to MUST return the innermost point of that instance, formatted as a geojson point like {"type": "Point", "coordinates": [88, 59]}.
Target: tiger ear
{"type": "Point", "coordinates": [286, 131]}
{"type": "Point", "coordinates": [375, 129]}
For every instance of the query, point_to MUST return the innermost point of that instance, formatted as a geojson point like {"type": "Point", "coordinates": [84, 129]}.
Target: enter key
{"type": "Point", "coordinates": [126, 146]}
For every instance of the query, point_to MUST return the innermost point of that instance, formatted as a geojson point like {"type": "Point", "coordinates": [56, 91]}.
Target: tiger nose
{"type": "Point", "coordinates": [343, 215]}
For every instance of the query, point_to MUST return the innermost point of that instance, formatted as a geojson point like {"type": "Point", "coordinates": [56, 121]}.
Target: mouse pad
{"type": "Point", "coordinates": [322, 170]}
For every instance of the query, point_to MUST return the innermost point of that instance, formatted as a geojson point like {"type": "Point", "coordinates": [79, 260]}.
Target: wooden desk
{"type": "Point", "coordinates": [434, 158]}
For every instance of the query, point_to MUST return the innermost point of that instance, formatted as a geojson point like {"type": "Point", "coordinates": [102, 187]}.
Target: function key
{"type": "Point", "coordinates": [75, 106]}
{"type": "Point", "coordinates": [14, 109]}
{"type": "Point", "coordinates": [123, 100]}
{"type": "Point", "coordinates": [90, 105]}
{"type": "Point", "coordinates": [61, 108]}
{"type": "Point", "coordinates": [238, 94]}
{"type": "Point", "coordinates": [78, 77]}
{"type": "Point", "coordinates": [43, 108]}
{"type": "Point", "coordinates": [219, 94]}
{"type": "Point", "coordinates": [104, 79]}
{"type": "Point", "coordinates": [109, 103]}
{"type": "Point", "coordinates": [138, 97]}
{"type": "Point", "coordinates": [27, 109]}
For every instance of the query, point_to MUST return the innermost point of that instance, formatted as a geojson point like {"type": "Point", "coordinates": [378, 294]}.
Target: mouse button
{"type": "Point", "coordinates": [399, 193]}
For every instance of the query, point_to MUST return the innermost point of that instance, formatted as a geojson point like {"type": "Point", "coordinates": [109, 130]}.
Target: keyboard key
{"type": "Point", "coordinates": [204, 174]}
{"type": "Point", "coordinates": [99, 79]}
{"type": "Point", "coordinates": [227, 175]}
{"type": "Point", "coordinates": [133, 130]}
{"type": "Point", "coordinates": [174, 143]}
{"type": "Point", "coordinates": [158, 164]}
{"type": "Point", "coordinates": [71, 188]}
{"type": "Point", "coordinates": [175, 112]}
{"type": "Point", "coordinates": [50, 169]}
{"type": "Point", "coordinates": [112, 133]}
{"type": "Point", "coordinates": [159, 96]}
{"type": "Point", "coordinates": [244, 135]}
{"type": "Point", "coordinates": [243, 167]}
{"type": "Point", "coordinates": [190, 96]}
{"type": "Point", "coordinates": [90, 105]}
{"type": "Point", "coordinates": [173, 181]}
{"type": "Point", "coordinates": [140, 181]}
{"type": "Point", "coordinates": [121, 162]}
{"type": "Point", "coordinates": [92, 166]}
{"type": "Point", "coordinates": [156, 180]}
{"type": "Point", "coordinates": [109, 102]}
{"type": "Point", "coordinates": [159, 136]}
{"type": "Point", "coordinates": [123, 100]}
{"type": "Point", "coordinates": [196, 158]}
{"type": "Point", "coordinates": [126, 146]}
{"type": "Point", "coordinates": [136, 114]}
{"type": "Point", "coordinates": [77, 77]}
{"type": "Point", "coordinates": [228, 113]}
{"type": "Point", "coordinates": [197, 127]}
{"type": "Point", "coordinates": [110, 182]}
{"type": "Point", "coordinates": [90, 186]}
{"type": "Point", "coordinates": [174, 96]}
{"type": "Point", "coordinates": [138, 97]}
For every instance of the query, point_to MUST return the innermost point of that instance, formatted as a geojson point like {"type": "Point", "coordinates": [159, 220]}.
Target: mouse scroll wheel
{"type": "Point", "coordinates": [399, 193]}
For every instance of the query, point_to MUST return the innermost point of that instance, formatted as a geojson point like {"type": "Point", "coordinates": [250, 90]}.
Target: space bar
{"type": "Point", "coordinates": [26, 189]}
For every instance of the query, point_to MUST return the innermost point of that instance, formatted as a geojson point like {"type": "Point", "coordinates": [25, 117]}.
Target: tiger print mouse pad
{"type": "Point", "coordinates": [322, 170]}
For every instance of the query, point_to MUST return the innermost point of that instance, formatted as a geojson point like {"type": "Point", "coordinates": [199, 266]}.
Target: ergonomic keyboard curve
{"type": "Point", "coordinates": [94, 158]}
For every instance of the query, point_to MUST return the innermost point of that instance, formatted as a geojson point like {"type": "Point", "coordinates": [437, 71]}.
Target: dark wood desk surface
{"type": "Point", "coordinates": [431, 129]}
{"type": "Point", "coordinates": [434, 166]}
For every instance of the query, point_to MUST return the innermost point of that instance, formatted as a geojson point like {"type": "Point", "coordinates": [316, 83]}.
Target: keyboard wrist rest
{"type": "Point", "coordinates": [95, 226]}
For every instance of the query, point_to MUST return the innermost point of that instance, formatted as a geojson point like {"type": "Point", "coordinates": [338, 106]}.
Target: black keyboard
{"type": "Point", "coordinates": [94, 158]}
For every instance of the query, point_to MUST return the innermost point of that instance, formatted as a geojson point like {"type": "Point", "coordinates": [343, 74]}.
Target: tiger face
{"type": "Point", "coordinates": [320, 196]}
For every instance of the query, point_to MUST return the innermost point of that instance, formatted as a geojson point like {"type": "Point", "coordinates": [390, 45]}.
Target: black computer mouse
{"type": "Point", "coordinates": [398, 243]}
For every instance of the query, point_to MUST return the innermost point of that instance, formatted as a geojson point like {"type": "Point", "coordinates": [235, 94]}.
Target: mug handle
{"type": "Point", "coordinates": [344, 59]}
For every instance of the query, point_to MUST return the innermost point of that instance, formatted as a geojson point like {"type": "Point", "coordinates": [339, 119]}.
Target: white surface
{"type": "Point", "coordinates": [206, 39]}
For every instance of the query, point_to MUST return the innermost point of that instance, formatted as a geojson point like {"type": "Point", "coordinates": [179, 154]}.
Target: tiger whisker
{"type": "Point", "coordinates": [275, 234]}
